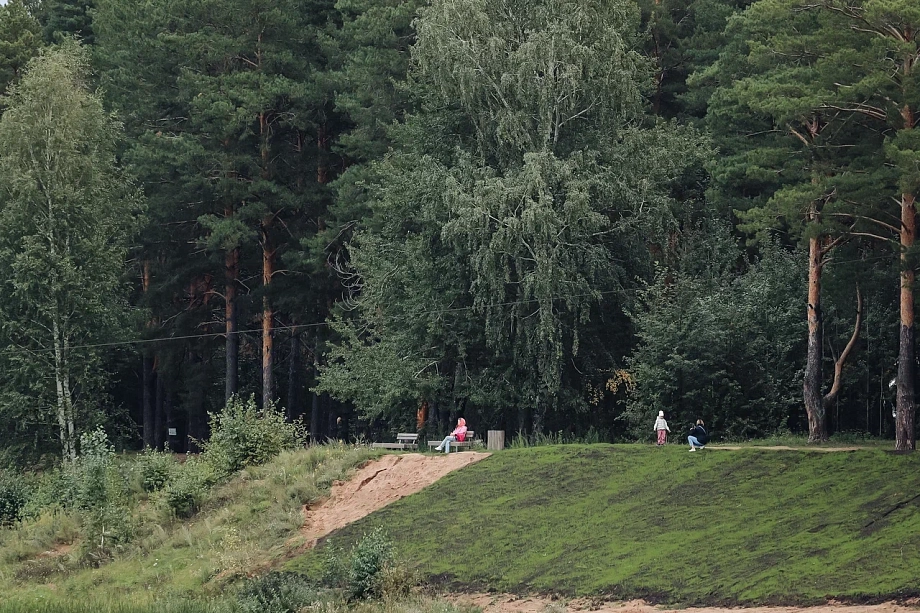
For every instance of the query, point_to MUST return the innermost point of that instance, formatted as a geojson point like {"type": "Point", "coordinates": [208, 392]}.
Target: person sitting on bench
{"type": "Point", "coordinates": [457, 436]}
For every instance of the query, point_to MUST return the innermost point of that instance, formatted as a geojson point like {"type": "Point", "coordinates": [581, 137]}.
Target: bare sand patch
{"type": "Point", "coordinates": [506, 603]}
{"type": "Point", "coordinates": [377, 484]}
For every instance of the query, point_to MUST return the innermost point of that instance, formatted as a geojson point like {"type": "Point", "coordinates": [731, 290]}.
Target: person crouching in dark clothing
{"type": "Point", "coordinates": [698, 436]}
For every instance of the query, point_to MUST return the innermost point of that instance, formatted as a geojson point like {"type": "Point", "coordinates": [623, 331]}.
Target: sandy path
{"type": "Point", "coordinates": [377, 484]}
{"type": "Point", "coordinates": [504, 603]}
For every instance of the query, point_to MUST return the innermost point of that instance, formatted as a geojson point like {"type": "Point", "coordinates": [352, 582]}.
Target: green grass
{"type": "Point", "coordinates": [45, 605]}
{"type": "Point", "coordinates": [730, 527]}
{"type": "Point", "coordinates": [247, 524]}
{"type": "Point", "coordinates": [412, 604]}
{"type": "Point", "coordinates": [838, 439]}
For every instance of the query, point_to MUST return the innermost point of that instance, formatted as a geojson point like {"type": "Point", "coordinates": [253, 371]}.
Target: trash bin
{"type": "Point", "coordinates": [495, 440]}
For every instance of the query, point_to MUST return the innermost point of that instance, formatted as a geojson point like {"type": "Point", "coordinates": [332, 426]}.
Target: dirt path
{"type": "Point", "coordinates": [377, 484]}
{"type": "Point", "coordinates": [504, 603]}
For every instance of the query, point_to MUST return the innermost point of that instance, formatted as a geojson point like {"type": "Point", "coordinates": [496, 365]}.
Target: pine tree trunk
{"type": "Point", "coordinates": [293, 404]}
{"type": "Point", "coordinates": [330, 417]}
{"type": "Point", "coordinates": [147, 381]}
{"type": "Point", "coordinates": [159, 419]}
{"type": "Point", "coordinates": [268, 269]}
{"type": "Point", "coordinates": [169, 415]}
{"type": "Point", "coordinates": [904, 424]}
{"type": "Point", "coordinates": [196, 426]}
{"type": "Point", "coordinates": [814, 405]}
{"type": "Point", "coordinates": [232, 342]}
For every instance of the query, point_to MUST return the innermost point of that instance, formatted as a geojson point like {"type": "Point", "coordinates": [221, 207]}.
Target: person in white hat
{"type": "Point", "coordinates": [661, 427]}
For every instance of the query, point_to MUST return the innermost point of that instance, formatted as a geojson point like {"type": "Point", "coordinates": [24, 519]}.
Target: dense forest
{"type": "Point", "coordinates": [547, 216]}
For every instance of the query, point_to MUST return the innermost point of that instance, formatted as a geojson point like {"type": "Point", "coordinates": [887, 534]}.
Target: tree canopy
{"type": "Point", "coordinates": [544, 216]}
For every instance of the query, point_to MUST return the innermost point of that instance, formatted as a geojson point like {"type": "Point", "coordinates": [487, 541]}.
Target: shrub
{"type": "Point", "coordinates": [396, 581]}
{"type": "Point", "coordinates": [279, 592]}
{"type": "Point", "coordinates": [155, 469]}
{"type": "Point", "coordinates": [12, 498]}
{"type": "Point", "coordinates": [244, 435]}
{"type": "Point", "coordinates": [372, 554]}
{"type": "Point", "coordinates": [50, 491]}
{"type": "Point", "coordinates": [335, 567]}
{"type": "Point", "coordinates": [100, 496]}
{"type": "Point", "coordinates": [188, 487]}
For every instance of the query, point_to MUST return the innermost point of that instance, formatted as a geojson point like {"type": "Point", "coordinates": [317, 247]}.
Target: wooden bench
{"type": "Point", "coordinates": [466, 444]}
{"type": "Point", "coordinates": [404, 440]}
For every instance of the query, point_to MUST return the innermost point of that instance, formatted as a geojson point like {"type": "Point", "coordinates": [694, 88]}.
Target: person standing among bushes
{"type": "Point", "coordinates": [457, 436]}
{"type": "Point", "coordinates": [698, 436]}
{"type": "Point", "coordinates": [662, 429]}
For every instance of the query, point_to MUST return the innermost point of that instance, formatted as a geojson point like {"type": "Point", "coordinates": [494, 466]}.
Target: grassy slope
{"type": "Point", "coordinates": [716, 526]}
{"type": "Point", "coordinates": [249, 523]}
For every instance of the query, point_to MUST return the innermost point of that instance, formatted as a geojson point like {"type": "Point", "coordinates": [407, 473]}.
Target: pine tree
{"type": "Point", "coordinates": [20, 39]}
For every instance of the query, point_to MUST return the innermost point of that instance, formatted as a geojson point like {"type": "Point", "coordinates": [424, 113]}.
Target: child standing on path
{"type": "Point", "coordinates": [661, 427]}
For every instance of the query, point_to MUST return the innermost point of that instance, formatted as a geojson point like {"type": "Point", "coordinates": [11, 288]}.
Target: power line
{"type": "Point", "coordinates": [143, 341]}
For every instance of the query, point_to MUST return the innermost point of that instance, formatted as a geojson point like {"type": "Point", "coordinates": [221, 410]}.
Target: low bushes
{"type": "Point", "coordinates": [369, 570]}
{"type": "Point", "coordinates": [244, 435]}
{"type": "Point", "coordinates": [12, 498]}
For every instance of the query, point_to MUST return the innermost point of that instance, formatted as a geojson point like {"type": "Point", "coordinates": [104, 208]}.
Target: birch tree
{"type": "Point", "coordinates": [66, 216]}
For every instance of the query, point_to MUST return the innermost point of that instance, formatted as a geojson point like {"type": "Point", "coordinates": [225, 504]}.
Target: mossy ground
{"type": "Point", "coordinates": [718, 526]}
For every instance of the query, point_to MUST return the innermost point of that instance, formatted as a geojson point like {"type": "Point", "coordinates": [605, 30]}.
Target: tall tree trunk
{"type": "Point", "coordinates": [171, 442]}
{"type": "Point", "coordinates": [70, 414]}
{"type": "Point", "coordinates": [315, 408]}
{"type": "Point", "coordinates": [904, 424]}
{"type": "Point", "coordinates": [814, 403]}
{"type": "Point", "coordinates": [68, 449]}
{"type": "Point", "coordinates": [293, 404]}
{"type": "Point", "coordinates": [232, 342]}
{"type": "Point", "coordinates": [196, 426]}
{"type": "Point", "coordinates": [147, 382]}
{"type": "Point", "coordinates": [147, 374]}
{"type": "Point", "coordinates": [268, 270]}
{"type": "Point", "coordinates": [331, 415]}
{"type": "Point", "coordinates": [159, 421]}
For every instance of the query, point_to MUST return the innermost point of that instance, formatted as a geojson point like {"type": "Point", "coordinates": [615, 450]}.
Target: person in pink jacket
{"type": "Point", "coordinates": [457, 436]}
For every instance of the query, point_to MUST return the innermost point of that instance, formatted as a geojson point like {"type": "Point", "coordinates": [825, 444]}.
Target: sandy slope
{"type": "Point", "coordinates": [376, 485]}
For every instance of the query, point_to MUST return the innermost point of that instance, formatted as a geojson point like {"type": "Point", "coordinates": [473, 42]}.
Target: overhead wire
{"type": "Point", "coordinates": [142, 341]}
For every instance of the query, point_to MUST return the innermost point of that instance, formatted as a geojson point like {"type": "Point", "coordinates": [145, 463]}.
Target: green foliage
{"type": "Point", "coordinates": [67, 215]}
{"type": "Point", "coordinates": [276, 592]}
{"type": "Point", "coordinates": [503, 226]}
{"type": "Point", "coordinates": [244, 525]}
{"type": "Point", "coordinates": [707, 349]}
{"type": "Point", "coordinates": [64, 19]}
{"type": "Point", "coordinates": [155, 469]}
{"type": "Point", "coordinates": [19, 41]}
{"type": "Point", "coordinates": [362, 572]}
{"type": "Point", "coordinates": [101, 497]}
{"type": "Point", "coordinates": [84, 605]}
{"type": "Point", "coordinates": [188, 487]}
{"type": "Point", "coordinates": [766, 517]}
{"type": "Point", "coordinates": [370, 556]}
{"type": "Point", "coordinates": [12, 497]}
{"type": "Point", "coordinates": [245, 435]}
{"type": "Point", "coordinates": [52, 490]}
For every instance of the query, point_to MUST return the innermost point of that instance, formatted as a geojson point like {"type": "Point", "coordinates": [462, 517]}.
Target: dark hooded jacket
{"type": "Point", "coordinates": [700, 433]}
